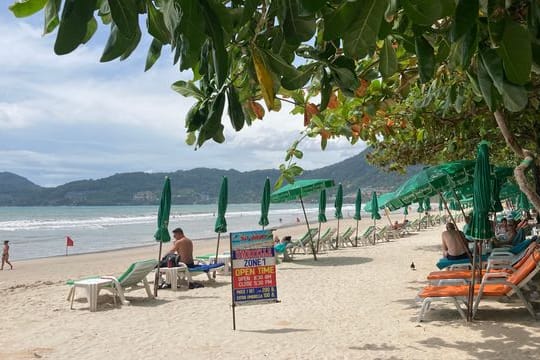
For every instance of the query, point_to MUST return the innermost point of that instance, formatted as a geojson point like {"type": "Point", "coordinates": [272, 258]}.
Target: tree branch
{"type": "Point", "coordinates": [526, 164]}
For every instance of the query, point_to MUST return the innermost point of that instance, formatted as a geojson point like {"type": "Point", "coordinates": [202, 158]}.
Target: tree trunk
{"type": "Point", "coordinates": [528, 161]}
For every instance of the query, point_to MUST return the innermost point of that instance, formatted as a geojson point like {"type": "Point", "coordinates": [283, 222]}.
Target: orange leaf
{"type": "Point", "coordinates": [333, 102]}
{"type": "Point", "coordinates": [361, 89]}
{"type": "Point", "coordinates": [257, 109]}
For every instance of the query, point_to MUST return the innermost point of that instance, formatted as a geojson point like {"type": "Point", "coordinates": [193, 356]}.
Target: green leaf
{"type": "Point", "coordinates": [24, 8]}
{"type": "Point", "coordinates": [219, 53]}
{"type": "Point", "coordinates": [359, 39]}
{"type": "Point", "coordinates": [154, 52]}
{"type": "Point", "coordinates": [250, 7]}
{"type": "Point", "coordinates": [391, 11]}
{"type": "Point", "coordinates": [467, 47]}
{"type": "Point", "coordinates": [298, 28]}
{"type": "Point", "coordinates": [51, 16]}
{"type": "Point", "coordinates": [426, 58]}
{"type": "Point", "coordinates": [236, 114]}
{"type": "Point", "coordinates": [516, 53]}
{"type": "Point", "coordinates": [345, 79]}
{"type": "Point", "coordinates": [326, 90]}
{"type": "Point", "coordinates": [426, 12]}
{"type": "Point", "coordinates": [191, 138]}
{"type": "Point", "coordinates": [73, 25]}
{"type": "Point", "coordinates": [312, 5]}
{"type": "Point", "coordinates": [496, 13]}
{"type": "Point", "coordinates": [493, 66]}
{"type": "Point", "coordinates": [388, 64]}
{"type": "Point", "coordinates": [296, 80]}
{"type": "Point", "coordinates": [117, 44]}
{"type": "Point", "coordinates": [91, 28]}
{"type": "Point", "coordinates": [465, 18]}
{"type": "Point", "coordinates": [125, 16]}
{"type": "Point", "coordinates": [156, 24]}
{"type": "Point", "coordinates": [486, 86]}
{"type": "Point", "coordinates": [188, 89]}
{"type": "Point", "coordinates": [514, 97]}
{"type": "Point", "coordinates": [191, 35]}
{"type": "Point", "coordinates": [132, 45]}
{"type": "Point", "coordinates": [337, 21]}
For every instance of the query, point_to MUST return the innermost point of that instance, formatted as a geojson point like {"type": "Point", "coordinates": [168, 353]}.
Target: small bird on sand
{"type": "Point", "coordinates": [412, 266]}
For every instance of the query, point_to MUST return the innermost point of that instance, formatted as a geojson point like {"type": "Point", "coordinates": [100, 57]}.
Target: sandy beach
{"type": "Point", "coordinates": [353, 303]}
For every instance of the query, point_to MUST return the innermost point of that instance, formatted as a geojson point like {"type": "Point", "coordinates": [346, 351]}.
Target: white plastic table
{"type": "Point", "coordinates": [171, 275]}
{"type": "Point", "coordinates": [92, 287]}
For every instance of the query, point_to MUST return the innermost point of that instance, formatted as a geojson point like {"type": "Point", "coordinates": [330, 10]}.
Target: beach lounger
{"type": "Point", "coordinates": [283, 248]}
{"type": "Point", "coordinates": [303, 243]}
{"type": "Point", "coordinates": [344, 239]}
{"type": "Point", "coordinates": [325, 242]}
{"type": "Point", "coordinates": [494, 264]}
{"type": "Point", "coordinates": [201, 268]}
{"type": "Point", "coordinates": [367, 237]}
{"type": "Point", "coordinates": [493, 285]}
{"type": "Point", "coordinates": [132, 279]}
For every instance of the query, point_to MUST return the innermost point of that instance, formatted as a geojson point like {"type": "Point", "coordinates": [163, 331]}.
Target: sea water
{"type": "Point", "coordinates": [41, 231]}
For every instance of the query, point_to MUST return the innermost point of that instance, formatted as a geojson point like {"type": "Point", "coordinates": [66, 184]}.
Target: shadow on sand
{"type": "Point", "coordinates": [332, 261]}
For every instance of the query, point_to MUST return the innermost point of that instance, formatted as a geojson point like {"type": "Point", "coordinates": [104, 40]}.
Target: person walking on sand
{"type": "Point", "coordinates": [5, 255]}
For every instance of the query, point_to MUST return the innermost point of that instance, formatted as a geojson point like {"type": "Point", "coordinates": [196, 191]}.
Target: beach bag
{"type": "Point", "coordinates": [173, 258]}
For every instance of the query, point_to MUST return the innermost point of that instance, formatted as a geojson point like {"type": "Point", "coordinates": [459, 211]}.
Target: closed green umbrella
{"type": "Point", "coordinates": [480, 226]}
{"type": "Point", "coordinates": [375, 213]}
{"type": "Point", "coordinates": [357, 213]}
{"type": "Point", "coordinates": [221, 222]}
{"type": "Point", "coordinates": [322, 215]}
{"type": "Point", "coordinates": [338, 204]}
{"type": "Point", "coordinates": [265, 204]}
{"type": "Point", "coordinates": [427, 204]}
{"type": "Point", "coordinates": [298, 190]}
{"type": "Point", "coordinates": [162, 233]}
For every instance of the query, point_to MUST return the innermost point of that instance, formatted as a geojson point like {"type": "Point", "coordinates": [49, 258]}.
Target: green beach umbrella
{"type": "Point", "coordinates": [427, 204]}
{"type": "Point", "coordinates": [221, 222]}
{"type": "Point", "coordinates": [496, 205]}
{"type": "Point", "coordinates": [523, 203]}
{"type": "Point", "coordinates": [406, 211]}
{"type": "Point", "coordinates": [357, 213]}
{"type": "Point", "coordinates": [162, 233]}
{"type": "Point", "coordinates": [480, 226]}
{"type": "Point", "coordinates": [374, 212]}
{"type": "Point", "coordinates": [441, 208]}
{"type": "Point", "coordinates": [322, 215]}
{"type": "Point", "coordinates": [298, 190]}
{"type": "Point", "coordinates": [420, 208]}
{"type": "Point", "coordinates": [338, 204]}
{"type": "Point", "coordinates": [265, 204]}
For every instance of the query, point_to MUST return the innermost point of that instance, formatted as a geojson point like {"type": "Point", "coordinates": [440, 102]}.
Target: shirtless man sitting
{"type": "Point", "coordinates": [452, 244]}
{"type": "Point", "coordinates": [183, 247]}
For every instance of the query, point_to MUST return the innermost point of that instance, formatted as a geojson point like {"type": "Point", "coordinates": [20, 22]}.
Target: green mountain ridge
{"type": "Point", "coordinates": [195, 186]}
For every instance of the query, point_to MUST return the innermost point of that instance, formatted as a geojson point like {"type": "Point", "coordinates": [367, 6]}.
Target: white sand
{"type": "Point", "coordinates": [354, 303]}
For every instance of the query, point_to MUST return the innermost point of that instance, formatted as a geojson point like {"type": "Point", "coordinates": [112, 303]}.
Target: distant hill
{"type": "Point", "coordinates": [196, 186]}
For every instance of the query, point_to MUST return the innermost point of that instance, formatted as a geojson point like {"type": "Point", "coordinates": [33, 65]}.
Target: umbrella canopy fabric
{"type": "Point", "coordinates": [265, 204]}
{"type": "Point", "coordinates": [322, 206]}
{"type": "Point", "coordinates": [338, 203]}
{"type": "Point", "coordinates": [162, 233]}
{"type": "Point", "coordinates": [420, 208]}
{"type": "Point", "coordinates": [221, 223]}
{"type": "Point", "coordinates": [480, 227]}
{"type": "Point", "coordinates": [300, 188]}
{"type": "Point", "coordinates": [375, 207]}
{"type": "Point", "coordinates": [523, 203]}
{"type": "Point", "coordinates": [496, 205]}
{"type": "Point", "coordinates": [508, 191]}
{"type": "Point", "coordinates": [358, 206]}
{"type": "Point", "coordinates": [427, 204]}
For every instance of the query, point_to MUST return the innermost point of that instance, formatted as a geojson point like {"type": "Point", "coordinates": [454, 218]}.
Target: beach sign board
{"type": "Point", "coordinates": [253, 273]}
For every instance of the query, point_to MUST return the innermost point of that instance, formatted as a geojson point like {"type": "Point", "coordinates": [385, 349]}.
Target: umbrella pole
{"type": "Point", "coordinates": [308, 229]}
{"type": "Point", "coordinates": [356, 237]}
{"type": "Point", "coordinates": [374, 231]}
{"type": "Point", "coordinates": [156, 279]}
{"type": "Point", "coordinates": [470, 298]}
{"type": "Point", "coordinates": [388, 215]}
{"type": "Point", "coordinates": [319, 237]}
{"type": "Point", "coordinates": [337, 234]}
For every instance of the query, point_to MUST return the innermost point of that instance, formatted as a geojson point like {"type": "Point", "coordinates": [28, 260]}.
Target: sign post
{"type": "Point", "coordinates": [253, 273]}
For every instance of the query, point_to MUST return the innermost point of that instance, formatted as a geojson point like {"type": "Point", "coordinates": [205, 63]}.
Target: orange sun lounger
{"type": "Point", "coordinates": [437, 276]}
{"type": "Point", "coordinates": [494, 285]}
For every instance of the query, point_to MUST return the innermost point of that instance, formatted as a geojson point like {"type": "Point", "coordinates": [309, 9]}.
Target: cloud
{"type": "Point", "coordinates": [64, 118]}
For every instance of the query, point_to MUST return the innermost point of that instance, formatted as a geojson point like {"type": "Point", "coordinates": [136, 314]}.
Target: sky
{"type": "Point", "coordinates": [66, 118]}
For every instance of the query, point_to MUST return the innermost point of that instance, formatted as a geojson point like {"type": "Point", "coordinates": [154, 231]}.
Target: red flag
{"type": "Point", "coordinates": [69, 241]}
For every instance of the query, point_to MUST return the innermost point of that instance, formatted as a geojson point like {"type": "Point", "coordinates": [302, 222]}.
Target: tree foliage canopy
{"type": "Point", "coordinates": [426, 76]}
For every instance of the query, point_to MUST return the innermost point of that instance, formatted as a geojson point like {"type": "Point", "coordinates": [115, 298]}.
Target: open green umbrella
{"type": "Point", "coordinates": [496, 205]}
{"type": "Point", "coordinates": [357, 213]}
{"type": "Point", "coordinates": [162, 233]}
{"type": "Point", "coordinates": [322, 215]}
{"type": "Point", "coordinates": [374, 213]}
{"type": "Point", "coordinates": [265, 204]}
{"type": "Point", "coordinates": [298, 190]}
{"type": "Point", "coordinates": [338, 204]}
{"type": "Point", "coordinates": [480, 226]}
{"type": "Point", "coordinates": [221, 222]}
